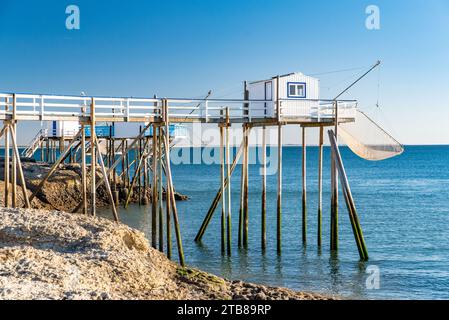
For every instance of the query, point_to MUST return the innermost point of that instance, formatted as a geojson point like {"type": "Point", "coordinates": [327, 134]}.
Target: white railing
{"type": "Point", "coordinates": [52, 107]}
{"type": "Point", "coordinates": [47, 107]}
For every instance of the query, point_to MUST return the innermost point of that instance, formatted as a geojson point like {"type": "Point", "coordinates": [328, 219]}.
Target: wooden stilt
{"type": "Point", "coordinates": [172, 195]}
{"type": "Point", "coordinates": [26, 199]}
{"type": "Point", "coordinates": [12, 132]}
{"type": "Point", "coordinates": [139, 172]}
{"type": "Point", "coordinates": [42, 150]}
{"type": "Point", "coordinates": [7, 166]}
{"type": "Point", "coordinates": [160, 209]}
{"type": "Point", "coordinates": [154, 202]}
{"type": "Point", "coordinates": [334, 190]}
{"type": "Point", "coordinates": [264, 189]}
{"type": "Point", "coordinates": [320, 187]}
{"type": "Point", "coordinates": [223, 198]}
{"type": "Point", "coordinates": [168, 209]}
{"type": "Point", "coordinates": [218, 196]}
{"type": "Point", "coordinates": [228, 177]}
{"type": "Point", "coordinates": [106, 179]}
{"type": "Point", "coordinates": [355, 223]}
{"type": "Point", "coordinates": [245, 193]}
{"type": "Point", "coordinates": [55, 165]}
{"type": "Point", "coordinates": [279, 195]}
{"type": "Point", "coordinates": [304, 188]}
{"type": "Point", "coordinates": [83, 168]}
{"type": "Point", "coordinates": [135, 178]}
{"type": "Point", "coordinates": [47, 152]}
{"type": "Point", "coordinates": [242, 191]}
{"type": "Point", "coordinates": [93, 163]}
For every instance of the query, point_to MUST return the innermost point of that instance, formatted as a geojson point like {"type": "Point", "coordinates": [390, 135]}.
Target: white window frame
{"type": "Point", "coordinates": [296, 85]}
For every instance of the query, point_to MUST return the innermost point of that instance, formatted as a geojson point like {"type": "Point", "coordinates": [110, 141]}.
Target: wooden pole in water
{"type": "Point", "coordinates": [223, 198]}
{"type": "Point", "coordinates": [93, 162]}
{"type": "Point", "coordinates": [304, 188]}
{"type": "Point", "coordinates": [242, 191]}
{"type": "Point", "coordinates": [172, 193]}
{"type": "Point", "coordinates": [123, 162]}
{"type": "Point", "coordinates": [19, 166]}
{"type": "Point", "coordinates": [264, 189]}
{"type": "Point", "coordinates": [320, 187]}
{"type": "Point", "coordinates": [47, 151]}
{"type": "Point", "coordinates": [154, 202]}
{"type": "Point", "coordinates": [355, 223]}
{"type": "Point", "coordinates": [217, 198]}
{"type": "Point", "coordinates": [228, 177]}
{"type": "Point", "coordinates": [245, 193]}
{"type": "Point", "coordinates": [334, 188]}
{"type": "Point", "coordinates": [83, 168]}
{"type": "Point", "coordinates": [279, 195]}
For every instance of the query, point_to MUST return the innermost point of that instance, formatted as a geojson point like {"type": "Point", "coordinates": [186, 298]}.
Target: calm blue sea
{"type": "Point", "coordinates": [403, 205]}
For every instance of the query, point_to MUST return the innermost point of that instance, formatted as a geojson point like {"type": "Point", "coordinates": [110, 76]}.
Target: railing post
{"type": "Point", "coordinates": [278, 102]}
{"type": "Point", "coordinates": [42, 108]}
{"type": "Point", "coordinates": [206, 106]}
{"type": "Point", "coordinates": [127, 110]}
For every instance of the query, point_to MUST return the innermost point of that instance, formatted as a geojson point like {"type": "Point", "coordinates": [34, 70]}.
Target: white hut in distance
{"type": "Point", "coordinates": [58, 129]}
{"type": "Point", "coordinates": [298, 95]}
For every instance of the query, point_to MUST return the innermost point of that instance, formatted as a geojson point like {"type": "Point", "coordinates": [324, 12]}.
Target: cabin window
{"type": "Point", "coordinates": [296, 90]}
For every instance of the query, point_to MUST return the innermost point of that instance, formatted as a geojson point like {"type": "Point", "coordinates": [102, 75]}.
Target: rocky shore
{"type": "Point", "coordinates": [56, 255]}
{"type": "Point", "coordinates": [63, 191]}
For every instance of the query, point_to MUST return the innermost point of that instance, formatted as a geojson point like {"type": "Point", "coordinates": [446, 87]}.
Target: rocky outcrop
{"type": "Point", "coordinates": [56, 255]}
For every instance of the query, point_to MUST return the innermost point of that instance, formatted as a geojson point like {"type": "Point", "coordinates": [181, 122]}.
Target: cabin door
{"type": "Point", "coordinates": [268, 96]}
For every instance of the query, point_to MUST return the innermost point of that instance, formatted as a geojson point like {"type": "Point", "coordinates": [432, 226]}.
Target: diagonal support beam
{"type": "Point", "coordinates": [19, 166]}
{"type": "Point", "coordinates": [136, 175]}
{"type": "Point", "coordinates": [219, 194]}
{"type": "Point", "coordinates": [55, 165]}
{"type": "Point", "coordinates": [105, 176]}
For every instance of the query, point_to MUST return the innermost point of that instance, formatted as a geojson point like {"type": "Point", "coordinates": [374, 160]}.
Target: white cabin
{"type": "Point", "coordinates": [298, 95]}
{"type": "Point", "coordinates": [58, 129]}
{"type": "Point", "coordinates": [127, 130]}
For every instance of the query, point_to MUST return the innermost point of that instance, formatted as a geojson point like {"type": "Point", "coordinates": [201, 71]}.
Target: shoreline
{"type": "Point", "coordinates": [58, 255]}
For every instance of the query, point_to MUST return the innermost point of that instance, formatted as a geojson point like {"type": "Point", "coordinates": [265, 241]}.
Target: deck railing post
{"type": "Point", "coordinates": [42, 104]}
{"type": "Point", "coordinates": [127, 111]}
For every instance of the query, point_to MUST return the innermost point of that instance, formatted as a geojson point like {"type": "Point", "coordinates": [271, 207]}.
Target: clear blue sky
{"type": "Point", "coordinates": [184, 48]}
